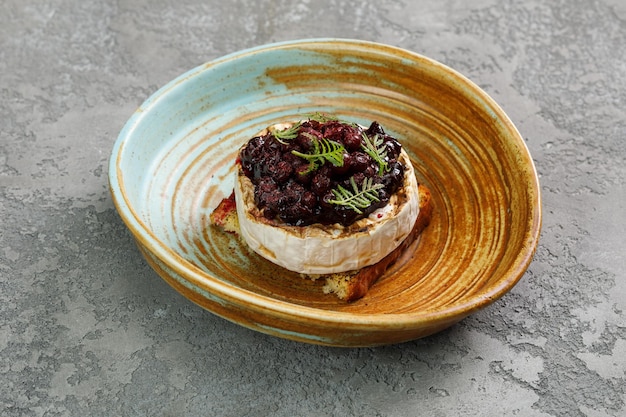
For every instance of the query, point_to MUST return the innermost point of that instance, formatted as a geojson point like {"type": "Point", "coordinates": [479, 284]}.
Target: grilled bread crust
{"type": "Point", "coordinates": [351, 285]}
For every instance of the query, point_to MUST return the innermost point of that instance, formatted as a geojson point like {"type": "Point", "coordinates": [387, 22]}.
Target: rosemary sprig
{"type": "Point", "coordinates": [357, 199]}
{"type": "Point", "coordinates": [323, 150]}
{"type": "Point", "coordinates": [375, 147]}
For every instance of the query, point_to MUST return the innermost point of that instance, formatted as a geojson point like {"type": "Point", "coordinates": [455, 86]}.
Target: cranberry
{"type": "Point", "coordinates": [371, 170]}
{"type": "Point", "coordinates": [281, 171]}
{"type": "Point", "coordinates": [352, 140]}
{"type": "Point", "coordinates": [309, 200]}
{"type": "Point", "coordinates": [395, 175]}
{"type": "Point", "coordinates": [305, 139]}
{"type": "Point", "coordinates": [333, 130]}
{"type": "Point", "coordinates": [303, 174]}
{"type": "Point", "coordinates": [266, 185]}
{"type": "Point", "coordinates": [326, 199]}
{"type": "Point", "coordinates": [375, 129]}
{"type": "Point", "coordinates": [343, 169]}
{"type": "Point", "coordinates": [272, 201]}
{"type": "Point", "coordinates": [392, 147]}
{"type": "Point", "coordinates": [320, 183]}
{"type": "Point", "coordinates": [359, 161]}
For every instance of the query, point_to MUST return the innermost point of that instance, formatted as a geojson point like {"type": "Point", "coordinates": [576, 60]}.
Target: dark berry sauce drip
{"type": "Point", "coordinates": [286, 188]}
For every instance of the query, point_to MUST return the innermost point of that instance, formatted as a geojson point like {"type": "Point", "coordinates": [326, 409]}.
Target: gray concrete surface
{"type": "Point", "coordinates": [86, 327]}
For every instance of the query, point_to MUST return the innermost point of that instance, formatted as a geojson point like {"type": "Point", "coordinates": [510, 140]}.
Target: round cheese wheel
{"type": "Point", "coordinates": [327, 249]}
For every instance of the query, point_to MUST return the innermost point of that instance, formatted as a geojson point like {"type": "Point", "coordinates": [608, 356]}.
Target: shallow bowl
{"type": "Point", "coordinates": [174, 161]}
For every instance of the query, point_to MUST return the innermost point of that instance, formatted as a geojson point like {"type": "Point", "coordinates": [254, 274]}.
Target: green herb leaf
{"type": "Point", "coordinates": [323, 150]}
{"type": "Point", "coordinates": [357, 199]}
{"type": "Point", "coordinates": [375, 147]}
{"type": "Point", "coordinates": [287, 134]}
{"type": "Point", "coordinates": [321, 117]}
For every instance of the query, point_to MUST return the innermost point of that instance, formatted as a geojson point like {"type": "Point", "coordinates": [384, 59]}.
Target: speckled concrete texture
{"type": "Point", "coordinates": [88, 329]}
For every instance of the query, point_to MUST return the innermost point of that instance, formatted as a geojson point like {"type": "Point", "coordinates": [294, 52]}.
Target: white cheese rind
{"type": "Point", "coordinates": [318, 249]}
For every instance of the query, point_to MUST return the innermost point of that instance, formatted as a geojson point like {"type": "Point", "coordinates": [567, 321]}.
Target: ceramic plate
{"type": "Point", "coordinates": [174, 161]}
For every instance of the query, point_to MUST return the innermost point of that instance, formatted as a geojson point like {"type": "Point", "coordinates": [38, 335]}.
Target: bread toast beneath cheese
{"type": "Point", "coordinates": [351, 285]}
{"type": "Point", "coordinates": [225, 215]}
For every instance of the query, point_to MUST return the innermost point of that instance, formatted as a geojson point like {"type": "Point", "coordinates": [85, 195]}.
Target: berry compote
{"type": "Point", "coordinates": [298, 173]}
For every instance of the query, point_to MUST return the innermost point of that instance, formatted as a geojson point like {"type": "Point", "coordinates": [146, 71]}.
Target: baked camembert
{"type": "Point", "coordinates": [323, 197]}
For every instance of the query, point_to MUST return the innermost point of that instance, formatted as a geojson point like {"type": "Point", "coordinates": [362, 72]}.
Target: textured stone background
{"type": "Point", "coordinates": [86, 327]}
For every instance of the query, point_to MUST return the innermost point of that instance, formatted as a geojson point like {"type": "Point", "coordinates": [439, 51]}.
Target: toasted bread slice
{"type": "Point", "coordinates": [225, 215]}
{"type": "Point", "coordinates": [352, 285]}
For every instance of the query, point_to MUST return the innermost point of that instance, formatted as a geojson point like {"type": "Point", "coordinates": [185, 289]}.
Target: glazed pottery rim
{"type": "Point", "coordinates": [254, 301]}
